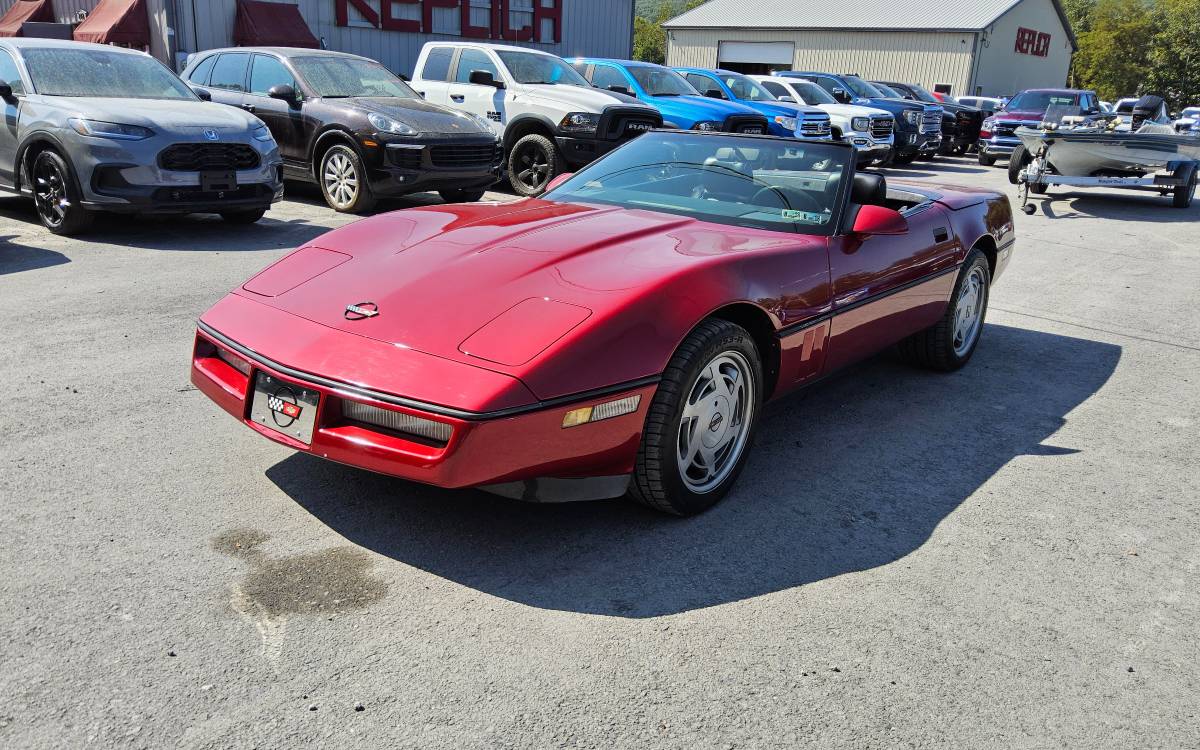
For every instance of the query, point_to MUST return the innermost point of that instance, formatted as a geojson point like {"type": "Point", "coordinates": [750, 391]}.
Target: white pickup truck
{"type": "Point", "coordinates": [551, 120]}
{"type": "Point", "coordinates": [870, 130]}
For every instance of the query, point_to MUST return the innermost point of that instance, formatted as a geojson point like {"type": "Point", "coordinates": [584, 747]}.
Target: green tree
{"type": "Point", "coordinates": [1174, 70]}
{"type": "Point", "coordinates": [649, 37]}
{"type": "Point", "coordinates": [1115, 51]}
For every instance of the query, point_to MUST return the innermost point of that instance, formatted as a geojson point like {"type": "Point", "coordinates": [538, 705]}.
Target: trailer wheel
{"type": "Point", "coordinates": [1184, 193]}
{"type": "Point", "coordinates": [1017, 162]}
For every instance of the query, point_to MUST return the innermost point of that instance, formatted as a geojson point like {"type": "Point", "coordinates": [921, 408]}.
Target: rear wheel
{"type": "Point", "coordinates": [461, 196]}
{"type": "Point", "coordinates": [56, 196]}
{"type": "Point", "coordinates": [532, 163]}
{"type": "Point", "coordinates": [948, 344]}
{"type": "Point", "coordinates": [343, 181]}
{"type": "Point", "coordinates": [985, 160]}
{"type": "Point", "coordinates": [701, 422]}
{"type": "Point", "coordinates": [1184, 193]}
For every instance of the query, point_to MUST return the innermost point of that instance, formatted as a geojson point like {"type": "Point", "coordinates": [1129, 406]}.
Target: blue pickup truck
{"type": "Point", "coordinates": [681, 105]}
{"type": "Point", "coordinates": [918, 125]}
{"type": "Point", "coordinates": [784, 119]}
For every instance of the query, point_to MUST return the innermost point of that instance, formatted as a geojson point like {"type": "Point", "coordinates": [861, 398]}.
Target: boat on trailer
{"type": "Point", "coordinates": [1142, 152]}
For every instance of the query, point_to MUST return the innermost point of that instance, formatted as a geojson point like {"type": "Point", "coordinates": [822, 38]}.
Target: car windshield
{"type": "Point", "coordinates": [1040, 101]}
{"type": "Point", "coordinates": [863, 89]}
{"type": "Point", "coordinates": [527, 67]}
{"type": "Point", "coordinates": [890, 92]}
{"type": "Point", "coordinates": [775, 184]}
{"type": "Point", "coordinates": [746, 88]}
{"type": "Point", "coordinates": [811, 93]}
{"type": "Point", "coordinates": [100, 73]}
{"type": "Point", "coordinates": [662, 81]}
{"type": "Point", "coordinates": [340, 77]}
{"type": "Point", "coordinates": [923, 94]}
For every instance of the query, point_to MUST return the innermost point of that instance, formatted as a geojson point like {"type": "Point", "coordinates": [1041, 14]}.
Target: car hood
{"type": "Point", "coordinates": [440, 275]}
{"type": "Point", "coordinates": [687, 109]}
{"type": "Point", "coordinates": [783, 109]}
{"type": "Point", "coordinates": [161, 115]}
{"type": "Point", "coordinates": [1024, 115]}
{"type": "Point", "coordinates": [578, 98]}
{"type": "Point", "coordinates": [424, 116]}
{"type": "Point", "coordinates": [854, 110]}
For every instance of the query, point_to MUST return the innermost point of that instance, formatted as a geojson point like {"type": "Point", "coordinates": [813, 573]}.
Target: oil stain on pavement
{"type": "Point", "coordinates": [325, 582]}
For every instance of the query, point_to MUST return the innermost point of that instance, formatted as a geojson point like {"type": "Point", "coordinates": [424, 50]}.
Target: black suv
{"type": "Point", "coordinates": [351, 126]}
{"type": "Point", "coordinates": [960, 124]}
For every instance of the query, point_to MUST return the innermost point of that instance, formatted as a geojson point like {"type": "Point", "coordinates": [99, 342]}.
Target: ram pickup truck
{"type": "Point", "coordinates": [681, 105]}
{"type": "Point", "coordinates": [869, 130]}
{"type": "Point", "coordinates": [918, 126]}
{"type": "Point", "coordinates": [997, 136]}
{"type": "Point", "coordinates": [786, 119]}
{"type": "Point", "coordinates": [960, 123]}
{"type": "Point", "coordinates": [549, 119]}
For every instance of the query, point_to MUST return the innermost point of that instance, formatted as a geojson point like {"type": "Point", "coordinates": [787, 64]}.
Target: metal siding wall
{"type": "Point", "coordinates": [65, 11]}
{"type": "Point", "coordinates": [1003, 71]}
{"type": "Point", "coordinates": [923, 57]}
{"type": "Point", "coordinates": [590, 27]}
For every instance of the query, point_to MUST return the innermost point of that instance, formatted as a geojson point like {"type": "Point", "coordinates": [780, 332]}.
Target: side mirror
{"type": "Point", "coordinates": [485, 78]}
{"type": "Point", "coordinates": [284, 93]}
{"type": "Point", "coordinates": [714, 94]}
{"type": "Point", "coordinates": [840, 95]}
{"type": "Point", "coordinates": [559, 180]}
{"type": "Point", "coordinates": [204, 94]}
{"type": "Point", "coordinates": [404, 78]}
{"type": "Point", "coordinates": [621, 89]}
{"type": "Point", "coordinates": [6, 92]}
{"type": "Point", "coordinates": [788, 99]}
{"type": "Point", "coordinates": [873, 220]}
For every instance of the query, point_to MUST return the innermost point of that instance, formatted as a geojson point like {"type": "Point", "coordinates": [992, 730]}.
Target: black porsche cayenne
{"type": "Point", "coordinates": [349, 125]}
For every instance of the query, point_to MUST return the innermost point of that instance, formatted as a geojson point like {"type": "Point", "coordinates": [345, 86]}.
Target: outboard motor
{"type": "Point", "coordinates": [1147, 108]}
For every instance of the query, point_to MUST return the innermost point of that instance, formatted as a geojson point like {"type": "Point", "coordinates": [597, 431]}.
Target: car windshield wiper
{"type": "Point", "coordinates": [667, 93]}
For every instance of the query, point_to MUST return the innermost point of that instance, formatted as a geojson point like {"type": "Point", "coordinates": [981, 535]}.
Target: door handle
{"type": "Point", "coordinates": [940, 234]}
{"type": "Point", "coordinates": [458, 97]}
{"type": "Point", "coordinates": [248, 107]}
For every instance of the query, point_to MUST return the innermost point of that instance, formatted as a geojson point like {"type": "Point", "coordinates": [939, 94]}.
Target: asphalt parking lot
{"type": "Point", "coordinates": [1002, 557]}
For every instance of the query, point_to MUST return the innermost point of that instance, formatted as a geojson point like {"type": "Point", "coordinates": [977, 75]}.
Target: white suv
{"type": "Point", "coordinates": [550, 119]}
{"type": "Point", "coordinates": [870, 130]}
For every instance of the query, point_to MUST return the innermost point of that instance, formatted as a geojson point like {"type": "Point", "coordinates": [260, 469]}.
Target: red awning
{"type": "Point", "coordinates": [116, 22]}
{"type": "Point", "coordinates": [264, 24]}
{"type": "Point", "coordinates": [26, 10]}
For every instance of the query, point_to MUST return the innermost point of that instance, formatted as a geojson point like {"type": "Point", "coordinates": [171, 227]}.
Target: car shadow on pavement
{"type": "Point", "coordinates": [1120, 205]}
{"type": "Point", "coordinates": [853, 476]}
{"type": "Point", "coordinates": [15, 258]}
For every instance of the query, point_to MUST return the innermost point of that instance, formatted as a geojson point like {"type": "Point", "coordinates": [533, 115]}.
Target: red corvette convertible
{"type": "Point", "coordinates": [617, 336]}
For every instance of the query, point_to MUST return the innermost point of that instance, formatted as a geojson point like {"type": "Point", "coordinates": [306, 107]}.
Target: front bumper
{"type": "Point", "coordinates": [909, 143]}
{"type": "Point", "coordinates": [998, 145]}
{"type": "Point", "coordinates": [402, 167]}
{"type": "Point", "coordinates": [526, 450]}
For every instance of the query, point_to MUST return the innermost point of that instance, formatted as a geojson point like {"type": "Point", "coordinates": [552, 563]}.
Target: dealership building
{"type": "Point", "coordinates": [391, 31]}
{"type": "Point", "coordinates": [982, 47]}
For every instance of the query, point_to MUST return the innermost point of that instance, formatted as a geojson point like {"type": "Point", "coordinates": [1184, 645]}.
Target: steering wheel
{"type": "Point", "coordinates": [809, 203]}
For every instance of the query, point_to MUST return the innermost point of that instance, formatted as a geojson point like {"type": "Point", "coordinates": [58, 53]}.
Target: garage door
{"type": "Point", "coordinates": [762, 53]}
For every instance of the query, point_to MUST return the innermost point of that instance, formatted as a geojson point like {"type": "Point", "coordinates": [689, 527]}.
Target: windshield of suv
{"type": "Point", "coordinates": [340, 77]}
{"type": "Point", "coordinates": [811, 93]}
{"type": "Point", "coordinates": [863, 89]}
{"type": "Point", "coordinates": [776, 184]}
{"type": "Point", "coordinates": [662, 81]}
{"type": "Point", "coordinates": [100, 73]}
{"type": "Point", "coordinates": [746, 88]}
{"type": "Point", "coordinates": [923, 94]}
{"type": "Point", "coordinates": [888, 91]}
{"type": "Point", "coordinates": [1040, 101]}
{"type": "Point", "coordinates": [526, 67]}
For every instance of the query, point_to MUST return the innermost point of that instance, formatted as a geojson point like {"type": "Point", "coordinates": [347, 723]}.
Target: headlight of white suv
{"type": "Point", "coordinates": [707, 125]}
{"type": "Point", "coordinates": [861, 124]}
{"type": "Point", "coordinates": [788, 123]}
{"type": "Point", "coordinates": [388, 125]}
{"type": "Point", "coordinates": [580, 122]}
{"type": "Point", "coordinates": [115, 130]}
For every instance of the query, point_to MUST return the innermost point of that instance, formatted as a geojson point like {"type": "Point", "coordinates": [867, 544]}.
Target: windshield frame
{"type": "Point", "coordinates": [185, 91]}
{"type": "Point", "coordinates": [832, 228]}
{"type": "Point", "coordinates": [296, 64]}
{"type": "Point", "coordinates": [506, 54]}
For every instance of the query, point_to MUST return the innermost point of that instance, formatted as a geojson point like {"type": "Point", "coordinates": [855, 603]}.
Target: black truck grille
{"type": "Point", "coordinates": [202, 157]}
{"type": "Point", "coordinates": [881, 127]}
{"type": "Point", "coordinates": [746, 124]}
{"type": "Point", "coordinates": [624, 123]}
{"type": "Point", "coordinates": [1005, 128]}
{"type": "Point", "coordinates": [465, 155]}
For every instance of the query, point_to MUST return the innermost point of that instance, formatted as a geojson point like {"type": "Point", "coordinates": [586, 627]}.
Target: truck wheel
{"type": "Point", "coordinates": [56, 196]}
{"type": "Point", "coordinates": [985, 160]}
{"type": "Point", "coordinates": [343, 181]}
{"type": "Point", "coordinates": [701, 422]}
{"type": "Point", "coordinates": [1183, 193]}
{"type": "Point", "coordinates": [532, 163]}
{"type": "Point", "coordinates": [461, 196]}
{"type": "Point", "coordinates": [903, 159]}
{"type": "Point", "coordinates": [948, 344]}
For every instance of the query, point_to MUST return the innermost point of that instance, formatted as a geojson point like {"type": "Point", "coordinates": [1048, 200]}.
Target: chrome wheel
{"type": "Point", "coordinates": [50, 192]}
{"type": "Point", "coordinates": [715, 424]}
{"type": "Point", "coordinates": [341, 179]}
{"type": "Point", "coordinates": [968, 311]}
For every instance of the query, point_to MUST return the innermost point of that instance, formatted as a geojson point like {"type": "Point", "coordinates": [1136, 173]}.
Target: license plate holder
{"type": "Point", "coordinates": [218, 181]}
{"type": "Point", "coordinates": [284, 407]}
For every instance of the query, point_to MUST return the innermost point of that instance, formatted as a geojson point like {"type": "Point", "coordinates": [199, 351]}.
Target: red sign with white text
{"type": "Point", "coordinates": [382, 14]}
{"type": "Point", "coordinates": [1031, 42]}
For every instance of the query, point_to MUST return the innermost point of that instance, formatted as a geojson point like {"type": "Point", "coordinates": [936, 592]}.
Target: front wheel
{"type": "Point", "coordinates": [701, 421]}
{"type": "Point", "coordinates": [903, 159]}
{"type": "Point", "coordinates": [948, 344]}
{"type": "Point", "coordinates": [343, 181]}
{"type": "Point", "coordinates": [57, 197]}
{"type": "Point", "coordinates": [985, 160]}
{"type": "Point", "coordinates": [532, 163]}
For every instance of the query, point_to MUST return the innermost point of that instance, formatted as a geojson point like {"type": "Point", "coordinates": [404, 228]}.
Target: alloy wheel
{"type": "Point", "coordinates": [533, 167]}
{"type": "Point", "coordinates": [968, 311]}
{"type": "Point", "coordinates": [341, 179]}
{"type": "Point", "coordinates": [715, 424]}
{"type": "Point", "coordinates": [50, 192]}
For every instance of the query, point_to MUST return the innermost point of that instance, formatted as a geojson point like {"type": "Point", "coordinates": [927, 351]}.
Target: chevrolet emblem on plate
{"type": "Point", "coordinates": [361, 311]}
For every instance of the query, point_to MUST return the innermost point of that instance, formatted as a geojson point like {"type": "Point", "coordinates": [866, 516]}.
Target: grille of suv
{"type": "Point", "coordinates": [201, 157]}
{"type": "Point", "coordinates": [932, 122]}
{"type": "Point", "coordinates": [881, 127]}
{"type": "Point", "coordinates": [463, 155]}
{"type": "Point", "coordinates": [814, 128]}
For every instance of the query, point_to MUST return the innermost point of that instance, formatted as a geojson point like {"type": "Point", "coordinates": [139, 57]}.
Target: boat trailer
{"type": "Point", "coordinates": [1038, 176]}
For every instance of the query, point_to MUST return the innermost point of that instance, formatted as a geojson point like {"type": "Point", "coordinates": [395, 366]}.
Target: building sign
{"type": "Point", "coordinates": [1030, 42]}
{"type": "Point", "coordinates": [506, 20]}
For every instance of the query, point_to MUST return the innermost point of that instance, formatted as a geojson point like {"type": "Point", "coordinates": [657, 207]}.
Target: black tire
{"type": "Point", "coordinates": [986, 161]}
{"type": "Point", "coordinates": [903, 159]}
{"type": "Point", "coordinates": [532, 163]}
{"type": "Point", "coordinates": [56, 195]}
{"type": "Point", "coordinates": [343, 180]}
{"type": "Point", "coordinates": [934, 347]}
{"type": "Point", "coordinates": [461, 196]}
{"type": "Point", "coordinates": [658, 481]}
{"type": "Point", "coordinates": [1017, 162]}
{"type": "Point", "coordinates": [249, 216]}
{"type": "Point", "coordinates": [1182, 197]}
